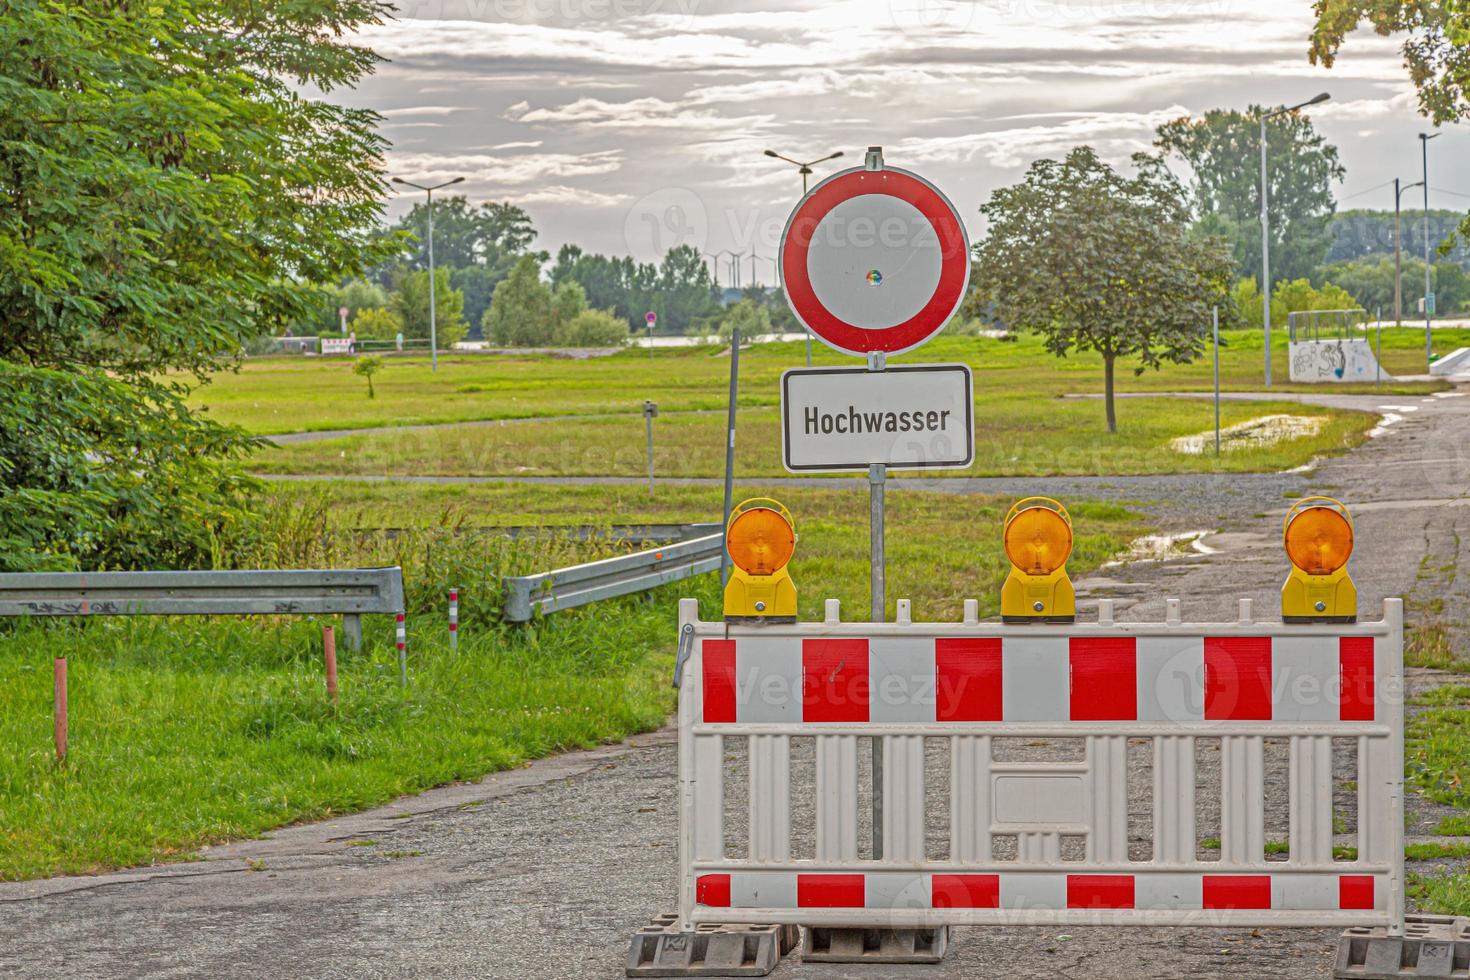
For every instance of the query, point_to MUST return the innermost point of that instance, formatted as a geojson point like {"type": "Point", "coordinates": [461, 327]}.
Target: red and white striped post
{"type": "Point", "coordinates": [329, 651]}
{"type": "Point", "coordinates": [402, 651]}
{"type": "Point", "coordinates": [454, 620]}
{"type": "Point", "coordinates": [59, 709]}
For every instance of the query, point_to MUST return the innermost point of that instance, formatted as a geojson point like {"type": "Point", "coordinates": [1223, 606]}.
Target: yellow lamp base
{"type": "Point", "coordinates": [1038, 598]}
{"type": "Point", "coordinates": [760, 598]}
{"type": "Point", "coordinates": [1319, 598]}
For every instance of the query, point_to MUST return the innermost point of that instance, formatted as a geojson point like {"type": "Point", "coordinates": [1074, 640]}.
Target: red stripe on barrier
{"type": "Point", "coordinates": [1237, 891]}
{"type": "Point", "coordinates": [834, 680]}
{"type": "Point", "coordinates": [830, 891]}
{"type": "Point", "coordinates": [1355, 659]}
{"type": "Point", "coordinates": [965, 892]}
{"type": "Point", "coordinates": [1355, 892]}
{"type": "Point", "coordinates": [719, 681]}
{"type": "Point", "coordinates": [713, 890]}
{"type": "Point", "coordinates": [967, 672]}
{"type": "Point", "coordinates": [1104, 678]}
{"type": "Point", "coordinates": [1237, 678]}
{"type": "Point", "coordinates": [1099, 891]}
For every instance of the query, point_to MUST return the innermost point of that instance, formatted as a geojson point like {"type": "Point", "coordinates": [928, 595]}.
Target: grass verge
{"type": "Point", "coordinates": [189, 731]}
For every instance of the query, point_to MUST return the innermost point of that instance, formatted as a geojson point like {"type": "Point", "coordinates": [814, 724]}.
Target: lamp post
{"type": "Point", "coordinates": [1266, 226]}
{"type": "Point", "coordinates": [804, 168]}
{"type": "Point", "coordinates": [806, 171]}
{"type": "Point", "coordinates": [1398, 254]}
{"type": "Point", "coordinates": [1424, 139]}
{"type": "Point", "coordinates": [433, 313]}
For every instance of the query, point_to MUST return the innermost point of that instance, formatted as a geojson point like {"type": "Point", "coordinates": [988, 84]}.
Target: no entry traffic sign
{"type": "Point", "coordinates": [874, 260]}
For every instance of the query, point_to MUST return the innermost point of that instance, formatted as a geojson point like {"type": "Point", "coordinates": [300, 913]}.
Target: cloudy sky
{"type": "Point", "coordinates": [630, 126]}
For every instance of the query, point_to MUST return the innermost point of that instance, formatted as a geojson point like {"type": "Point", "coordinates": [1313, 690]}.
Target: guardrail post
{"type": "Point", "coordinates": [352, 631]}
{"type": "Point", "coordinates": [59, 709]}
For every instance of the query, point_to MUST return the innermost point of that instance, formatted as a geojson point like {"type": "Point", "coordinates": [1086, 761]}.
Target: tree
{"type": "Point", "coordinates": [493, 234]}
{"type": "Point", "coordinates": [1223, 153]}
{"type": "Point", "coordinates": [1361, 233]}
{"type": "Point", "coordinates": [171, 184]}
{"type": "Point", "coordinates": [749, 317]}
{"type": "Point", "coordinates": [366, 367]}
{"type": "Point", "coordinates": [377, 323]}
{"type": "Point", "coordinates": [410, 301]}
{"type": "Point", "coordinates": [520, 313]}
{"type": "Point", "coordinates": [1436, 52]}
{"type": "Point", "coordinates": [1095, 261]}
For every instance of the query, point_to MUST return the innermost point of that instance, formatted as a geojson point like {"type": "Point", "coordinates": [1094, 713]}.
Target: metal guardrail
{"type": "Point", "coordinates": [577, 585]}
{"type": "Point", "coordinates": [269, 592]}
{"type": "Point", "coordinates": [1304, 325]}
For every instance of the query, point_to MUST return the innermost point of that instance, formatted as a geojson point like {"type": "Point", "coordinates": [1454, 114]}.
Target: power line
{"type": "Point", "coordinates": [1441, 190]}
{"type": "Point", "coordinates": [1370, 190]}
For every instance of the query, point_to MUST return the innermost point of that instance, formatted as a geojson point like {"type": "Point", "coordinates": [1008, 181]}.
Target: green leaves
{"type": "Point", "coordinates": [165, 191]}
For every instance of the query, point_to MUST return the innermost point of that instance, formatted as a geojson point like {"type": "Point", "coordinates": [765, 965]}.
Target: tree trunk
{"type": "Point", "coordinates": [1108, 391]}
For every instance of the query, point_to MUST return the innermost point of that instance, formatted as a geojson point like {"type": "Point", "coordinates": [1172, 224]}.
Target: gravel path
{"type": "Point", "coordinates": [544, 872]}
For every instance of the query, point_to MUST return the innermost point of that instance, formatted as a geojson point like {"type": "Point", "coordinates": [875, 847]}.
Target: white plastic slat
{"type": "Point", "coordinates": [709, 797]}
{"type": "Point", "coordinates": [1242, 799]}
{"type": "Point", "coordinates": [969, 808]}
{"type": "Point", "coordinates": [903, 798]}
{"type": "Point", "coordinates": [1309, 800]}
{"type": "Point", "coordinates": [1038, 847]}
{"type": "Point", "coordinates": [770, 798]}
{"type": "Point", "coordinates": [1174, 784]}
{"type": "Point", "coordinates": [837, 798]}
{"type": "Point", "coordinates": [1108, 788]}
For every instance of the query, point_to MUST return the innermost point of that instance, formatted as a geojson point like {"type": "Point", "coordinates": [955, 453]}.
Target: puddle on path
{"type": "Point", "coordinates": [1264, 430]}
{"type": "Point", "coordinates": [1163, 547]}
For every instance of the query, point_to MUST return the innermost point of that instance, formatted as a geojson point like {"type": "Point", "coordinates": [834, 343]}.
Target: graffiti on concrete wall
{"type": "Point", "coordinates": [1334, 360]}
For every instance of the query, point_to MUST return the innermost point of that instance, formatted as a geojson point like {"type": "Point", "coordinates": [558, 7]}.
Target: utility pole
{"type": "Point", "coordinates": [1398, 254]}
{"type": "Point", "coordinates": [433, 311]}
{"type": "Point", "coordinates": [1424, 139]}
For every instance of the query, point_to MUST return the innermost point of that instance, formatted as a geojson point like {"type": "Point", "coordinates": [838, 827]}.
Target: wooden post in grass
{"type": "Point", "coordinates": [329, 650]}
{"type": "Point", "coordinates": [59, 709]}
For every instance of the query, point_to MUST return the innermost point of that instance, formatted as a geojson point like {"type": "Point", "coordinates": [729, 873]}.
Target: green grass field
{"type": "Point", "coordinates": [1016, 436]}
{"type": "Point", "coordinates": [275, 395]}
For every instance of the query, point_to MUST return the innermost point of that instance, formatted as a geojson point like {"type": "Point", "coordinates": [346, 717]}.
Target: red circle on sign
{"type": "Point", "coordinates": [954, 271]}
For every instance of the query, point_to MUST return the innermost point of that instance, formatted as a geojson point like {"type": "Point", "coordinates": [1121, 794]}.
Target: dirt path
{"type": "Point", "coordinates": [544, 872]}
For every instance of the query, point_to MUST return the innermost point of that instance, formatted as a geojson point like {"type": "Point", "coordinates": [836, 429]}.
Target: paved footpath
{"type": "Point", "coordinates": [545, 871]}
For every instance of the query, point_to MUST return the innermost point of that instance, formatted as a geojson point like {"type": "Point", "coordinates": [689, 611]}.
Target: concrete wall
{"type": "Point", "coordinates": [1334, 360]}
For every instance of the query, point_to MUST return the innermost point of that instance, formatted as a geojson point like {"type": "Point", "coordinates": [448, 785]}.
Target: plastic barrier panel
{"type": "Point", "coordinates": [975, 835]}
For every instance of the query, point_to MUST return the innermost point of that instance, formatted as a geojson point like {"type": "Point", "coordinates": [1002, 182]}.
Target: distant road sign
{"type": "Point", "coordinates": [874, 260]}
{"type": "Point", "coordinates": [910, 417]}
{"type": "Point", "coordinates": [650, 318]}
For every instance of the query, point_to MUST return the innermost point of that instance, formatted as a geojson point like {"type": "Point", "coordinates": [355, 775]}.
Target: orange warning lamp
{"type": "Point", "coordinates": [1038, 541]}
{"type": "Point", "coordinates": [760, 538]}
{"type": "Point", "coordinates": [1318, 535]}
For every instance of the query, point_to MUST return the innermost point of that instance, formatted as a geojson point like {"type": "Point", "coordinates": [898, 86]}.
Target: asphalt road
{"type": "Point", "coordinates": [544, 872]}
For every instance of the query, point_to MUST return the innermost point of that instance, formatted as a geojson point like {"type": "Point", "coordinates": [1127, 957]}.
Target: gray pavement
{"type": "Point", "coordinates": [545, 871]}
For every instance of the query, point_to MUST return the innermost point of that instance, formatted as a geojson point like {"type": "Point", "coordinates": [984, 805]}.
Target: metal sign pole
{"type": "Point", "coordinates": [730, 449]}
{"type": "Point", "coordinates": [649, 411]}
{"type": "Point", "coordinates": [1215, 317]}
{"type": "Point", "coordinates": [877, 477]}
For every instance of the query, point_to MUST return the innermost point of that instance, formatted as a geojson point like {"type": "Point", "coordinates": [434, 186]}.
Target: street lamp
{"type": "Point", "coordinates": [1424, 139]}
{"type": "Point", "coordinates": [1266, 226]}
{"type": "Point", "coordinates": [433, 316]}
{"type": "Point", "coordinates": [805, 168]}
{"type": "Point", "coordinates": [1398, 254]}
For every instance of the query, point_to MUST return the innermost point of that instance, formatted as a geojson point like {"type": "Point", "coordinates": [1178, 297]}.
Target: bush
{"type": "Point", "coordinates": [751, 318]}
{"type": "Point", "coordinates": [596, 328]}
{"type": "Point", "coordinates": [377, 323]}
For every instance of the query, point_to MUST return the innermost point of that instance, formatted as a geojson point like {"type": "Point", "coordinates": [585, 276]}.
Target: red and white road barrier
{"type": "Point", "coordinates": [454, 620]}
{"type": "Point", "coordinates": [1041, 837]}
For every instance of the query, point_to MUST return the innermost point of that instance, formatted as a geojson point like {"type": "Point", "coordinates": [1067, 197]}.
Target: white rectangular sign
{"type": "Point", "coordinates": [911, 417]}
{"type": "Point", "coordinates": [336, 345]}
